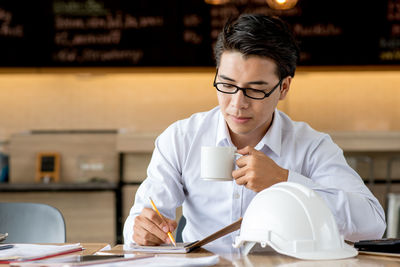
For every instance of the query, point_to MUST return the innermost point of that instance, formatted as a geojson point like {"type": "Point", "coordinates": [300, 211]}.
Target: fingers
{"type": "Point", "coordinates": [154, 217]}
{"type": "Point", "coordinates": [247, 152]}
{"type": "Point", "coordinates": [171, 223]}
{"type": "Point", "coordinates": [150, 229]}
{"type": "Point", "coordinates": [243, 176]}
{"type": "Point", "coordinates": [253, 169]}
{"type": "Point", "coordinates": [242, 181]}
{"type": "Point", "coordinates": [242, 161]}
{"type": "Point", "coordinates": [145, 232]}
{"type": "Point", "coordinates": [236, 174]}
{"type": "Point", "coordinates": [240, 173]}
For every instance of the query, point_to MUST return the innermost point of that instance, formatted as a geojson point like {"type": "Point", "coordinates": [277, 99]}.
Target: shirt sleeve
{"type": "Point", "coordinates": [358, 213]}
{"type": "Point", "coordinates": [163, 183]}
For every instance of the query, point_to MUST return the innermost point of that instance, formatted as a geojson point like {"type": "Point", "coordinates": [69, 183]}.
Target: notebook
{"type": "Point", "coordinates": [384, 247]}
{"type": "Point", "coordinates": [185, 247]}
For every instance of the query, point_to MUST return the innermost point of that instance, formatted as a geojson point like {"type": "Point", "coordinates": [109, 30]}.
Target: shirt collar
{"type": "Point", "coordinates": [223, 136]}
{"type": "Point", "coordinates": [271, 139]}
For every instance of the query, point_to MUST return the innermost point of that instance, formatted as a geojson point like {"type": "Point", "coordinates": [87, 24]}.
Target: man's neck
{"type": "Point", "coordinates": [242, 141]}
{"type": "Point", "coordinates": [250, 139]}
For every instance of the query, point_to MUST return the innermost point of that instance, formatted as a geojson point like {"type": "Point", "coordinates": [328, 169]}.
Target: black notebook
{"type": "Point", "coordinates": [385, 245]}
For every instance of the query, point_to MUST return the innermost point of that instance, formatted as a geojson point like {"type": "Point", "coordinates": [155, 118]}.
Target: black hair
{"type": "Point", "coordinates": [260, 35]}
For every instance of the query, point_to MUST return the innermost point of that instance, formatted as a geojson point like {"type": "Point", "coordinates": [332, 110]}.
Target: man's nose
{"type": "Point", "coordinates": [239, 100]}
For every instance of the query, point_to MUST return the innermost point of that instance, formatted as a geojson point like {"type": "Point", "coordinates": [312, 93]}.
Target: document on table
{"type": "Point", "coordinates": [25, 252]}
{"type": "Point", "coordinates": [127, 260]}
{"type": "Point", "coordinates": [80, 260]}
{"type": "Point", "coordinates": [164, 248]}
{"type": "Point", "coordinates": [185, 247]}
{"type": "Point", "coordinates": [169, 261]}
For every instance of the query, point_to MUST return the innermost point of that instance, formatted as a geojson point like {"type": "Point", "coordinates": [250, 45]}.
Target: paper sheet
{"type": "Point", "coordinates": [164, 248]}
{"type": "Point", "coordinates": [168, 261]}
{"type": "Point", "coordinates": [79, 261]}
{"type": "Point", "coordinates": [30, 251]}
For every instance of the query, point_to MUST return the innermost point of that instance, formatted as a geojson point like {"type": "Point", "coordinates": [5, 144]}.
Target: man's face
{"type": "Point", "coordinates": [249, 119]}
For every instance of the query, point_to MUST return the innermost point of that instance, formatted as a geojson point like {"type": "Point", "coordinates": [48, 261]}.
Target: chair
{"type": "Point", "coordinates": [31, 223]}
{"type": "Point", "coordinates": [393, 203]}
{"type": "Point", "coordinates": [356, 162]}
{"type": "Point", "coordinates": [179, 229]}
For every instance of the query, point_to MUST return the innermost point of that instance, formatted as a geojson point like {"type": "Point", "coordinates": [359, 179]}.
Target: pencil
{"type": "Point", "coordinates": [162, 218]}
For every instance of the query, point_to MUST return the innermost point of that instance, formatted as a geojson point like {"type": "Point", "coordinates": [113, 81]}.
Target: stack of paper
{"type": "Point", "coordinates": [79, 261]}
{"type": "Point", "coordinates": [164, 248]}
{"type": "Point", "coordinates": [28, 252]}
{"type": "Point", "coordinates": [133, 260]}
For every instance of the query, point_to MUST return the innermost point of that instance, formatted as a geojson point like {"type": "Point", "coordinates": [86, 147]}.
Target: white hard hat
{"type": "Point", "coordinates": [295, 221]}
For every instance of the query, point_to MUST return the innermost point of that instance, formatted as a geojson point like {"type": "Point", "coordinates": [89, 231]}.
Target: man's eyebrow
{"type": "Point", "coordinates": [226, 78]}
{"type": "Point", "coordinates": [261, 82]}
{"type": "Point", "coordinates": [258, 82]}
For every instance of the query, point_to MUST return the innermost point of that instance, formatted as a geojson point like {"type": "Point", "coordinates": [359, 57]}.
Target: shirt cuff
{"type": "Point", "coordinates": [128, 231]}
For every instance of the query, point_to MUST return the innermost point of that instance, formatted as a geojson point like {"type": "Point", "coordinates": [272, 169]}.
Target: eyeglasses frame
{"type": "Point", "coordinates": [243, 89]}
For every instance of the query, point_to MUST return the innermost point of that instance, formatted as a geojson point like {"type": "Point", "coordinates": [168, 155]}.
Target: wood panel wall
{"type": "Point", "coordinates": [148, 100]}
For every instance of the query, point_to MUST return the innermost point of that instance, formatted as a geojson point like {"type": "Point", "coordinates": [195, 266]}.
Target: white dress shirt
{"type": "Point", "coordinates": [312, 158]}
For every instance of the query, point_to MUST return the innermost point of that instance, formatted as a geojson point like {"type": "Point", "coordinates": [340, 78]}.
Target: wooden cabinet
{"type": "Point", "coordinates": [128, 198]}
{"type": "Point", "coordinates": [83, 155]}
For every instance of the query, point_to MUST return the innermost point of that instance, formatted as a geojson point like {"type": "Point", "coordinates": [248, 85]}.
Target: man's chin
{"type": "Point", "coordinates": [239, 130]}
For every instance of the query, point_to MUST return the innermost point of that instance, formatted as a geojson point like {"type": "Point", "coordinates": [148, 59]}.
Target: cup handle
{"type": "Point", "coordinates": [237, 155]}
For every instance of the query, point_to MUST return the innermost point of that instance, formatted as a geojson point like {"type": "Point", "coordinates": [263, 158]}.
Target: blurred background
{"type": "Point", "coordinates": [87, 85]}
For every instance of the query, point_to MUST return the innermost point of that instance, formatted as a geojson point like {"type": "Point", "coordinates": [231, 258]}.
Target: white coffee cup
{"type": "Point", "coordinates": [218, 162]}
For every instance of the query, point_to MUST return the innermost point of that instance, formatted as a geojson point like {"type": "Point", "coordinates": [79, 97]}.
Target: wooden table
{"type": "Point", "coordinates": [233, 257]}
{"type": "Point", "coordinates": [91, 248]}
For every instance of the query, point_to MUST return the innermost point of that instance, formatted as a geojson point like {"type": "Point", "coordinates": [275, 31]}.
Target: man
{"type": "Point", "coordinates": [256, 60]}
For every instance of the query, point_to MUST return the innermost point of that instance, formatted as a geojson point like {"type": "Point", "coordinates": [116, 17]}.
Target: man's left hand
{"type": "Point", "coordinates": [257, 171]}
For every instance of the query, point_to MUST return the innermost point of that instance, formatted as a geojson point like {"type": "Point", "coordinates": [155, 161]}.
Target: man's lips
{"type": "Point", "coordinates": [240, 119]}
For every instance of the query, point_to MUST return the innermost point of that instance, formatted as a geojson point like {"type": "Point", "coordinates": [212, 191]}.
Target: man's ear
{"type": "Point", "coordinates": [285, 87]}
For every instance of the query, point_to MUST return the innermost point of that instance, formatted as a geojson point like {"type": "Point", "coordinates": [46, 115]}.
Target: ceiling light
{"type": "Point", "coordinates": [216, 2]}
{"type": "Point", "coordinates": [282, 4]}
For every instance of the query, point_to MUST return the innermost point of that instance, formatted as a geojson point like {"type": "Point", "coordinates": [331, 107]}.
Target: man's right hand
{"type": "Point", "coordinates": [150, 230]}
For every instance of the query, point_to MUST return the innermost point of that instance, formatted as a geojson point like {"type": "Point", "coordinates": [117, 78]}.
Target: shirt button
{"type": "Point", "coordinates": [236, 195]}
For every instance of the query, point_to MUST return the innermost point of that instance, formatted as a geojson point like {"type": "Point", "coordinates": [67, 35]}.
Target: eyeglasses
{"type": "Point", "coordinates": [228, 88]}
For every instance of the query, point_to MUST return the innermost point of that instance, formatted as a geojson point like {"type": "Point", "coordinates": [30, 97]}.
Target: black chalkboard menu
{"type": "Point", "coordinates": [49, 33]}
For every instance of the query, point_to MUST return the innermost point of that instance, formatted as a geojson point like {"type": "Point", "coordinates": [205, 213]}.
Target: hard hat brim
{"type": "Point", "coordinates": [346, 252]}
{"type": "Point", "coordinates": [343, 253]}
